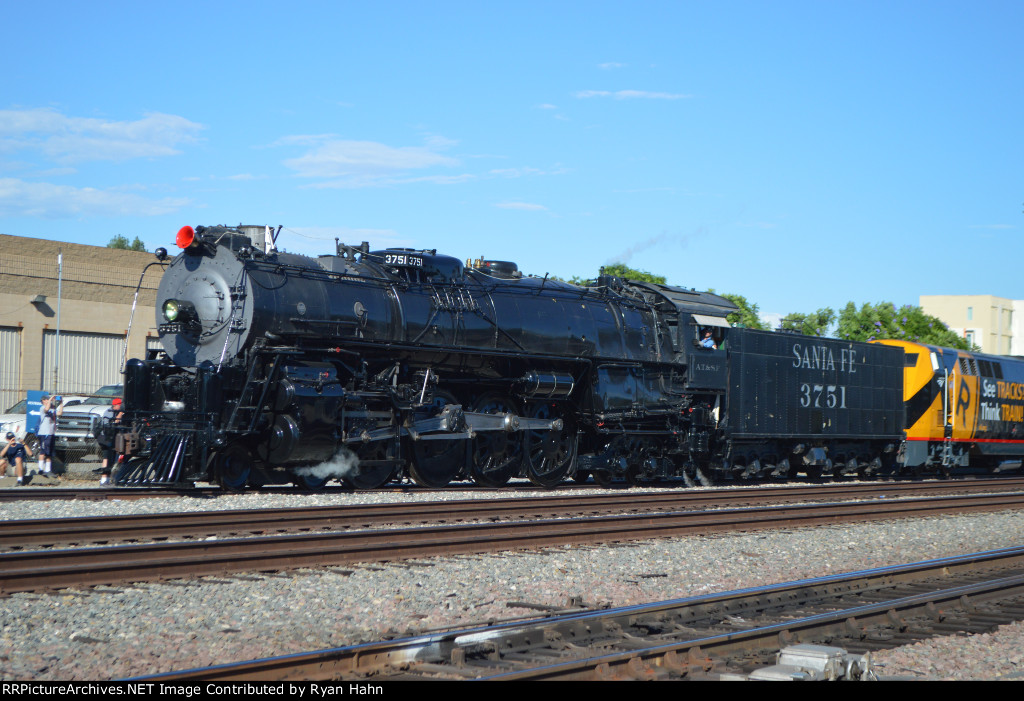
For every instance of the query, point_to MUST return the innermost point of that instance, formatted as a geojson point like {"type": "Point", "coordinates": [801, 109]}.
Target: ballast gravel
{"type": "Point", "coordinates": [124, 631]}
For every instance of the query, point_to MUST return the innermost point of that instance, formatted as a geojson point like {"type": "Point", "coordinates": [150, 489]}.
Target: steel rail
{"type": "Point", "coordinates": [442, 651]}
{"type": "Point", "coordinates": [644, 663]}
{"type": "Point", "coordinates": [93, 494]}
{"type": "Point", "coordinates": [54, 569]}
{"type": "Point", "coordinates": [22, 534]}
{"type": "Point", "coordinates": [49, 493]}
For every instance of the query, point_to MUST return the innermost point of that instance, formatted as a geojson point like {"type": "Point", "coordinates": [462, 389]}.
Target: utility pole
{"type": "Point", "coordinates": [56, 348]}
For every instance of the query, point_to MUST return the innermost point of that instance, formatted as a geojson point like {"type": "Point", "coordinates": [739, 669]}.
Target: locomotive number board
{"type": "Point", "coordinates": [403, 259]}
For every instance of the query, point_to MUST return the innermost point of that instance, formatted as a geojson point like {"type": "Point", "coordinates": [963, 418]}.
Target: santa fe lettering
{"type": "Point", "coordinates": [821, 358]}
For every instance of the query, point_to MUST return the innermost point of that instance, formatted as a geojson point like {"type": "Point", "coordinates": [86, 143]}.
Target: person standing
{"type": "Point", "coordinates": [51, 411]}
{"type": "Point", "coordinates": [105, 438]}
{"type": "Point", "coordinates": [14, 452]}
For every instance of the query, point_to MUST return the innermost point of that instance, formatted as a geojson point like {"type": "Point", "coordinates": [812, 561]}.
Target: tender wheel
{"type": "Point", "coordinates": [258, 477]}
{"type": "Point", "coordinates": [550, 458]}
{"type": "Point", "coordinates": [436, 463]}
{"type": "Point", "coordinates": [231, 467]}
{"type": "Point", "coordinates": [367, 475]}
{"type": "Point", "coordinates": [495, 456]}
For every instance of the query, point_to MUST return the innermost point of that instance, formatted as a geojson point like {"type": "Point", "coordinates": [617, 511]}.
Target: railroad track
{"type": "Point", "coordinates": [25, 534]}
{"type": "Point", "coordinates": [92, 493]}
{"type": "Point", "coordinates": [72, 490]}
{"type": "Point", "coordinates": [54, 569]}
{"type": "Point", "coordinates": [707, 637]}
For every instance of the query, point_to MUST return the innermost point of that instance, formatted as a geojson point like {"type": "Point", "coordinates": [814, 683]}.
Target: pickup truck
{"type": "Point", "coordinates": [75, 437]}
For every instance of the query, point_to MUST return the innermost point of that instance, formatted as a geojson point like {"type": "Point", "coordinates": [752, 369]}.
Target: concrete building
{"type": "Point", "coordinates": [97, 286]}
{"type": "Point", "coordinates": [993, 324]}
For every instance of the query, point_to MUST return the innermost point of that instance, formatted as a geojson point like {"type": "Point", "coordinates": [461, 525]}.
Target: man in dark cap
{"type": "Point", "coordinates": [14, 452]}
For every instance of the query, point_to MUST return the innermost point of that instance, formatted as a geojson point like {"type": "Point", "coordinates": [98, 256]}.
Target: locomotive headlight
{"type": "Point", "coordinates": [172, 308]}
{"type": "Point", "coordinates": [181, 311]}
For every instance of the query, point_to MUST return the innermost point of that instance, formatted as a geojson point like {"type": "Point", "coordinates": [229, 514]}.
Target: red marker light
{"type": "Point", "coordinates": [186, 236]}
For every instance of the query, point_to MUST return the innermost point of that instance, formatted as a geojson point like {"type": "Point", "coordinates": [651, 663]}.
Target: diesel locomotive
{"type": "Point", "coordinates": [373, 365]}
{"type": "Point", "coordinates": [962, 409]}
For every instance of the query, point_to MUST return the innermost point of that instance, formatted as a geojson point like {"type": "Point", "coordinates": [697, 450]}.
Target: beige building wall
{"type": "Point", "coordinates": [985, 320]}
{"type": "Point", "coordinates": [1017, 328]}
{"type": "Point", "coordinates": [97, 288]}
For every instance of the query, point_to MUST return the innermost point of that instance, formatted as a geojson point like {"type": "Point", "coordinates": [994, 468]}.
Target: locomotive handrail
{"type": "Point", "coordinates": [482, 315]}
{"type": "Point", "coordinates": [403, 345]}
{"type": "Point", "coordinates": [337, 322]}
{"type": "Point", "coordinates": [312, 273]}
{"type": "Point", "coordinates": [262, 397]}
{"type": "Point", "coordinates": [131, 317]}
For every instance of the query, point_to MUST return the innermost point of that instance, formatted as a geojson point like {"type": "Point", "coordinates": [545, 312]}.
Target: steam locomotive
{"type": "Point", "coordinates": [374, 365]}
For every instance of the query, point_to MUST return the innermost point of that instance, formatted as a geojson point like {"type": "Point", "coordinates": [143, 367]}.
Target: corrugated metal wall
{"type": "Point", "coordinates": [10, 366]}
{"type": "Point", "coordinates": [87, 361]}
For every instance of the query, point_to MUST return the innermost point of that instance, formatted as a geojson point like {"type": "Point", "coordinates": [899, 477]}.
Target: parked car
{"type": "Point", "coordinates": [75, 437]}
{"type": "Point", "coordinates": [14, 419]}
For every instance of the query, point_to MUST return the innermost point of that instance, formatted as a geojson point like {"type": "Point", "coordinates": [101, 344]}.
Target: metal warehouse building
{"type": "Point", "coordinates": [96, 288]}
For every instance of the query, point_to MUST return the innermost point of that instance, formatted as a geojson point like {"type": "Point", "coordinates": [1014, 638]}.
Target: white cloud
{"type": "Point", "coordinates": [773, 319]}
{"type": "Point", "coordinates": [20, 198]}
{"type": "Point", "coordinates": [366, 163]}
{"type": "Point", "coordinates": [631, 95]}
{"type": "Point", "coordinates": [359, 181]}
{"type": "Point", "coordinates": [523, 206]}
{"type": "Point", "coordinates": [66, 139]}
{"type": "Point", "coordinates": [515, 172]}
{"type": "Point", "coordinates": [331, 162]}
{"type": "Point", "coordinates": [610, 65]}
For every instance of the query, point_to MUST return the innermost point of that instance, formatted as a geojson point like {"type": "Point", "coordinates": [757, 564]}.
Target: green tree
{"type": "Point", "coordinates": [908, 323]}
{"type": "Point", "coordinates": [623, 271]}
{"type": "Point", "coordinates": [121, 242]}
{"type": "Point", "coordinates": [813, 324]}
{"type": "Point", "coordinates": [747, 316]}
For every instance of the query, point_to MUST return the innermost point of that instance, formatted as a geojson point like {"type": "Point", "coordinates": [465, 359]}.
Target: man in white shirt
{"type": "Point", "coordinates": [52, 409]}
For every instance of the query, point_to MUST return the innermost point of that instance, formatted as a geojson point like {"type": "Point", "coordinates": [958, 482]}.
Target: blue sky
{"type": "Point", "coordinates": [803, 154]}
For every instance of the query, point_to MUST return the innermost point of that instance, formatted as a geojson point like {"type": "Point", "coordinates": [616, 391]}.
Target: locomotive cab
{"type": "Point", "coordinates": [707, 363]}
{"type": "Point", "coordinates": [708, 332]}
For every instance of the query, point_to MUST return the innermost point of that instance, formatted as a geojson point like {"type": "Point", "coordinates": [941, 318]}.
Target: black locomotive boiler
{"type": "Point", "coordinates": [368, 366]}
